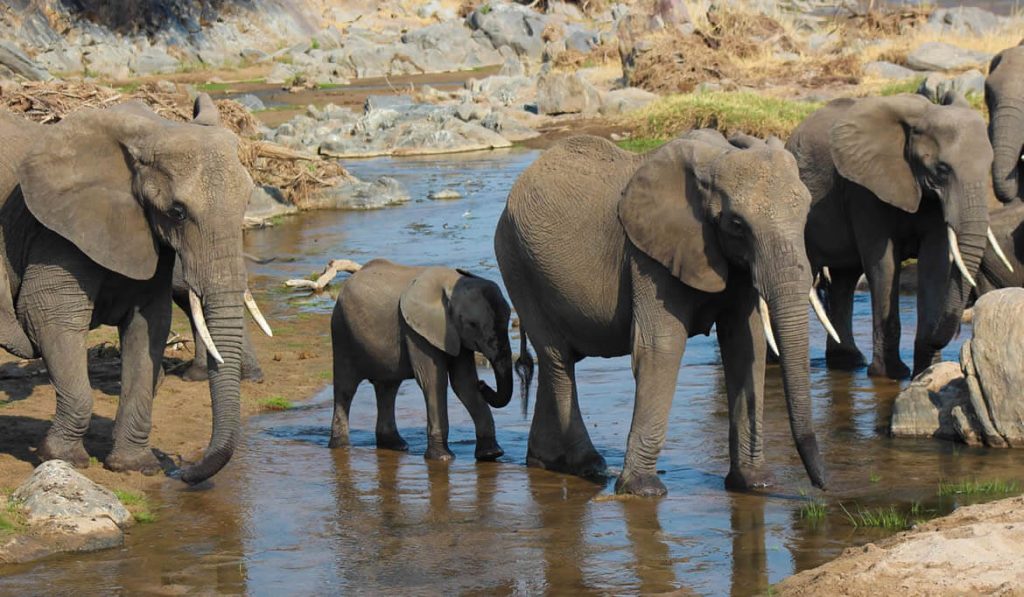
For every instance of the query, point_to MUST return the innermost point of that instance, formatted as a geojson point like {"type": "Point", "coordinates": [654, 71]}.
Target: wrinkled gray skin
{"type": "Point", "coordinates": [393, 322]}
{"type": "Point", "coordinates": [197, 370]}
{"type": "Point", "coordinates": [887, 175]}
{"type": "Point", "coordinates": [607, 253]}
{"type": "Point", "coordinates": [1004, 95]}
{"type": "Point", "coordinates": [1007, 223]}
{"type": "Point", "coordinates": [94, 210]}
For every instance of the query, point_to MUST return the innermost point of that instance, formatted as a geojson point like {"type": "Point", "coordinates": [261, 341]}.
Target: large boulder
{"type": "Point", "coordinates": [562, 93]}
{"type": "Point", "coordinates": [963, 19]}
{"type": "Point", "coordinates": [936, 85]}
{"type": "Point", "coordinates": [511, 25]}
{"type": "Point", "coordinates": [881, 69]}
{"type": "Point", "coordinates": [152, 61]}
{"type": "Point", "coordinates": [937, 55]}
{"type": "Point", "coordinates": [933, 405]}
{"type": "Point", "coordinates": [13, 58]}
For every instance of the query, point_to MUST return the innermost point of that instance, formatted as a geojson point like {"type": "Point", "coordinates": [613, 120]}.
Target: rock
{"type": "Point", "coordinates": [251, 102]}
{"type": "Point", "coordinates": [266, 203]}
{"type": "Point", "coordinates": [559, 93]}
{"type": "Point", "coordinates": [327, 39]}
{"type": "Point", "coordinates": [963, 19]}
{"type": "Point", "coordinates": [381, 102]}
{"type": "Point", "coordinates": [443, 47]}
{"type": "Point", "coordinates": [621, 101]}
{"type": "Point", "coordinates": [434, 10]}
{"type": "Point", "coordinates": [153, 61]}
{"type": "Point", "coordinates": [581, 40]}
{"type": "Point", "coordinates": [13, 58]}
{"type": "Point", "coordinates": [61, 60]}
{"type": "Point", "coordinates": [937, 55]}
{"type": "Point", "coordinates": [672, 13]}
{"type": "Point", "coordinates": [281, 73]}
{"type": "Point", "coordinates": [165, 86]}
{"type": "Point", "coordinates": [924, 408]}
{"type": "Point", "coordinates": [108, 60]}
{"type": "Point", "coordinates": [881, 69]}
{"type": "Point", "coordinates": [357, 194]}
{"type": "Point", "coordinates": [512, 67]}
{"type": "Point", "coordinates": [936, 85]}
{"type": "Point", "coordinates": [444, 195]}
{"type": "Point", "coordinates": [511, 25]}
{"type": "Point", "coordinates": [253, 55]}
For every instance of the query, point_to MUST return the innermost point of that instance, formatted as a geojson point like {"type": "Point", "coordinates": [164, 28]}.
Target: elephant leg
{"type": "Point", "coordinates": [388, 437]}
{"type": "Point", "coordinates": [66, 359]}
{"type": "Point", "coordinates": [740, 338]}
{"type": "Point", "coordinates": [143, 337]}
{"type": "Point", "coordinates": [465, 382]}
{"type": "Point", "coordinates": [558, 437]}
{"type": "Point", "coordinates": [429, 367]}
{"type": "Point", "coordinates": [933, 275]}
{"type": "Point", "coordinates": [659, 341]}
{"type": "Point", "coordinates": [844, 354]}
{"type": "Point", "coordinates": [345, 384]}
{"type": "Point", "coordinates": [881, 265]}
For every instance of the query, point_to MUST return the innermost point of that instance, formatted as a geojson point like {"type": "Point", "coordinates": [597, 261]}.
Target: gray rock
{"type": "Point", "coordinates": [55, 490]}
{"type": "Point", "coordinates": [251, 102]}
{"type": "Point", "coordinates": [925, 407]}
{"type": "Point", "coordinates": [446, 46]}
{"type": "Point", "coordinates": [253, 55]}
{"type": "Point", "coordinates": [444, 195]}
{"type": "Point", "coordinates": [281, 73]}
{"type": "Point", "coordinates": [327, 39]}
{"type": "Point", "coordinates": [937, 55]}
{"type": "Point", "coordinates": [108, 60]}
{"type": "Point", "coordinates": [559, 93]}
{"type": "Point", "coordinates": [996, 352]}
{"type": "Point", "coordinates": [881, 69]}
{"type": "Point", "coordinates": [61, 59]}
{"type": "Point", "coordinates": [165, 86]}
{"type": "Point", "coordinates": [153, 61]}
{"type": "Point", "coordinates": [381, 102]}
{"type": "Point", "coordinates": [512, 67]}
{"type": "Point", "coordinates": [581, 40]}
{"type": "Point", "coordinates": [621, 101]}
{"type": "Point", "coordinates": [511, 25]}
{"type": "Point", "coordinates": [963, 19]}
{"type": "Point", "coordinates": [357, 194]}
{"type": "Point", "coordinates": [266, 203]}
{"type": "Point", "coordinates": [13, 58]}
{"type": "Point", "coordinates": [936, 85]}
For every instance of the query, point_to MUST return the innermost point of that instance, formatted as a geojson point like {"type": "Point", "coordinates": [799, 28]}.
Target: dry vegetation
{"type": "Point", "coordinates": [296, 174]}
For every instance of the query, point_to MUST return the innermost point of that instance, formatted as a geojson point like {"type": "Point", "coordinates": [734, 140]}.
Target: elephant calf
{"type": "Point", "coordinates": [394, 322]}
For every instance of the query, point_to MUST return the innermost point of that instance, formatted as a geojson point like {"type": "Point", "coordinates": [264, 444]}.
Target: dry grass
{"type": "Point", "coordinates": [896, 49]}
{"type": "Point", "coordinates": [295, 174]}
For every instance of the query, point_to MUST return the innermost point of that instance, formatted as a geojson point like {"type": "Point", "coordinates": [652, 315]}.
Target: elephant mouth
{"type": "Point", "coordinates": [198, 316]}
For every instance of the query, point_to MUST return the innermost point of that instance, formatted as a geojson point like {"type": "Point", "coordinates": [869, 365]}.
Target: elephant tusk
{"type": "Point", "coordinates": [762, 307]}
{"type": "Point", "coordinates": [827, 274]}
{"type": "Point", "coordinates": [819, 310]}
{"type": "Point", "coordinates": [204, 333]}
{"type": "Point", "coordinates": [254, 310]}
{"type": "Point", "coordinates": [958, 258]}
{"type": "Point", "coordinates": [999, 250]}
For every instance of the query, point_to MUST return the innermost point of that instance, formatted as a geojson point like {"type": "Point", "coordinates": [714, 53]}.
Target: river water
{"type": "Point", "coordinates": [289, 516]}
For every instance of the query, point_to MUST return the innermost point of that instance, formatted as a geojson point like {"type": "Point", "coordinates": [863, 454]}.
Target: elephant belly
{"type": "Point", "coordinates": [829, 236]}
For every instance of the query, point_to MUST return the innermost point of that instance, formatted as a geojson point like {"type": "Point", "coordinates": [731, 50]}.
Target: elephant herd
{"type": "Point", "coordinates": [603, 252]}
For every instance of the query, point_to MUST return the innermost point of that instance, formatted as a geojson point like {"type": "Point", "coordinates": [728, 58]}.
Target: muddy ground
{"type": "Point", "coordinates": [296, 362]}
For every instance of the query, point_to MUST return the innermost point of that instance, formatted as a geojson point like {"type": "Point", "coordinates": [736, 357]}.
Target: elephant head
{"type": "Point", "coordinates": [455, 310]}
{"type": "Point", "coordinates": [905, 150]}
{"type": "Point", "coordinates": [123, 184]}
{"type": "Point", "coordinates": [707, 211]}
{"type": "Point", "coordinates": [1004, 95]}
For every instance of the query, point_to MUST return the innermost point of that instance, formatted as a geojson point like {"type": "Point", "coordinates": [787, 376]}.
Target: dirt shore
{"type": "Point", "coordinates": [296, 363]}
{"type": "Point", "coordinates": [976, 550]}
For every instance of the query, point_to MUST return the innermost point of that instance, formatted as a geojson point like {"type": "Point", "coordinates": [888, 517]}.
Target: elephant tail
{"type": "Point", "coordinates": [524, 369]}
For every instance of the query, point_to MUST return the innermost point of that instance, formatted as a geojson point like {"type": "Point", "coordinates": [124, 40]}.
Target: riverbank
{"type": "Point", "coordinates": [973, 551]}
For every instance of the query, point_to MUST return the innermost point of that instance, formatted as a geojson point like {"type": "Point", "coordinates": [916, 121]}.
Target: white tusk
{"type": "Point", "coordinates": [254, 310]}
{"type": "Point", "coordinates": [958, 258]}
{"type": "Point", "coordinates": [999, 250]}
{"type": "Point", "coordinates": [819, 310]}
{"type": "Point", "coordinates": [200, 321]}
{"type": "Point", "coordinates": [762, 306]}
{"type": "Point", "coordinates": [827, 274]}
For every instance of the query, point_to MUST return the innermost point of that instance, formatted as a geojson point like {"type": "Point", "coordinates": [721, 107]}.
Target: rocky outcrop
{"type": "Point", "coordinates": [977, 401]}
{"type": "Point", "coordinates": [63, 511]}
{"type": "Point", "coordinates": [937, 55]}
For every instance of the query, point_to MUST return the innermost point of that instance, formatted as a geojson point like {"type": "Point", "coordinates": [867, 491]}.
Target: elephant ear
{"type": "Point", "coordinates": [868, 145]}
{"type": "Point", "coordinates": [664, 213]}
{"type": "Point", "coordinates": [77, 181]}
{"type": "Point", "coordinates": [424, 307]}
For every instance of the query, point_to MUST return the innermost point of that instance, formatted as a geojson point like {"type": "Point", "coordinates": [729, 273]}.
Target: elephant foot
{"type": "Point", "coordinates": [133, 459]}
{"type": "Point", "coordinates": [392, 442]}
{"type": "Point", "coordinates": [642, 485]}
{"type": "Point", "coordinates": [338, 441]}
{"type": "Point", "coordinates": [894, 369]}
{"type": "Point", "coordinates": [588, 464]}
{"type": "Point", "coordinates": [195, 373]}
{"type": "Point", "coordinates": [844, 359]}
{"type": "Point", "coordinates": [488, 449]}
{"type": "Point", "coordinates": [743, 479]}
{"type": "Point", "coordinates": [72, 452]}
{"type": "Point", "coordinates": [436, 452]}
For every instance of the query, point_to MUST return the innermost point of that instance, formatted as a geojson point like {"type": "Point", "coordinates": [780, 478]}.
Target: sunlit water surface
{"type": "Point", "coordinates": [289, 516]}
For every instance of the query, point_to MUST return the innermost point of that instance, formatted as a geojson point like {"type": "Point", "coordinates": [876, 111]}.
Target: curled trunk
{"type": "Point", "coordinates": [502, 365]}
{"type": "Point", "coordinates": [1006, 130]}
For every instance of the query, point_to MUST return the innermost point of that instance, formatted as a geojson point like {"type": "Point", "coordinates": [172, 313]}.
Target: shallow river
{"type": "Point", "coordinates": [289, 516]}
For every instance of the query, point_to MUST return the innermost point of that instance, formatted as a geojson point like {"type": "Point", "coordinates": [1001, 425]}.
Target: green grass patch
{"type": "Point", "coordinates": [903, 86]}
{"type": "Point", "coordinates": [640, 144]}
{"type": "Point", "coordinates": [325, 375]}
{"type": "Point", "coordinates": [727, 111]}
{"type": "Point", "coordinates": [874, 477]}
{"type": "Point", "coordinates": [882, 518]}
{"type": "Point", "coordinates": [129, 87]}
{"type": "Point", "coordinates": [276, 403]}
{"type": "Point", "coordinates": [976, 487]}
{"type": "Point", "coordinates": [813, 511]}
{"type": "Point", "coordinates": [137, 503]}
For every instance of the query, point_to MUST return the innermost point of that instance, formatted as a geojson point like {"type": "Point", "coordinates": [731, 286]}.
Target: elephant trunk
{"type": "Point", "coordinates": [1006, 129]}
{"type": "Point", "coordinates": [786, 290]}
{"type": "Point", "coordinates": [501, 362]}
{"type": "Point", "coordinates": [223, 312]}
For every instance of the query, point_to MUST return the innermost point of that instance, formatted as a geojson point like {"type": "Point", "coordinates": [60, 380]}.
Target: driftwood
{"type": "Point", "coordinates": [333, 269]}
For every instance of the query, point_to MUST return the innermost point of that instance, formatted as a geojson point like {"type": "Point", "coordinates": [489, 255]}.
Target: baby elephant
{"type": "Point", "coordinates": [394, 322]}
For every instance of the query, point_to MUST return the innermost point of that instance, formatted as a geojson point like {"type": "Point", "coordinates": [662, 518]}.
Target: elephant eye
{"type": "Point", "coordinates": [943, 169]}
{"type": "Point", "coordinates": [177, 211]}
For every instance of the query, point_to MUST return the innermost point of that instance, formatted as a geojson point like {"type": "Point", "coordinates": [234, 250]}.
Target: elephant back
{"type": "Point", "coordinates": [810, 145]}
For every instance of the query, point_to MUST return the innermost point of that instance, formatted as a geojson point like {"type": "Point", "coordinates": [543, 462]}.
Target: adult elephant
{"type": "Point", "coordinates": [1001, 269]}
{"type": "Point", "coordinates": [1004, 95]}
{"type": "Point", "coordinates": [893, 178]}
{"type": "Point", "coordinates": [607, 253]}
{"type": "Point", "coordinates": [94, 210]}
